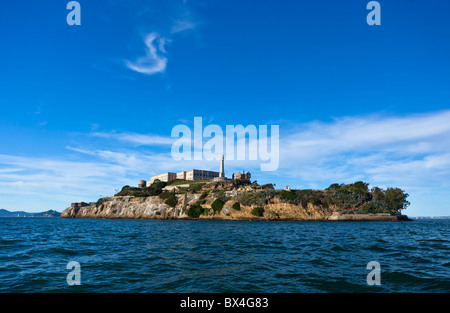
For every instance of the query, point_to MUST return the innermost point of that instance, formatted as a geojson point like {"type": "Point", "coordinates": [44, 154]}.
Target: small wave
{"type": "Point", "coordinates": [377, 248]}
{"type": "Point", "coordinates": [339, 248]}
{"type": "Point", "coordinates": [63, 251]}
{"type": "Point", "coordinates": [9, 241]}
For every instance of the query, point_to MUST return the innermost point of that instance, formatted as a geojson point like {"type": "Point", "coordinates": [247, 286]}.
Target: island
{"type": "Point", "coordinates": [240, 199]}
{"type": "Point", "coordinates": [210, 195]}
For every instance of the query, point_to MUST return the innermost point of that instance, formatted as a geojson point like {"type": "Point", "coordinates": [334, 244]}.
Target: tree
{"type": "Point", "coordinates": [377, 194]}
{"type": "Point", "coordinates": [395, 199]}
{"type": "Point", "coordinates": [334, 187]}
{"type": "Point", "coordinates": [360, 185]}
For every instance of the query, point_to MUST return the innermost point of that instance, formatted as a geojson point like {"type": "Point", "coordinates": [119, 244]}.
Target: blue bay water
{"type": "Point", "coordinates": [222, 256]}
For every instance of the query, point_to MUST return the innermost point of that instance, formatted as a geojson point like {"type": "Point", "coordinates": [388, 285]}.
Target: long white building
{"type": "Point", "coordinates": [185, 175]}
{"type": "Point", "coordinates": [188, 175]}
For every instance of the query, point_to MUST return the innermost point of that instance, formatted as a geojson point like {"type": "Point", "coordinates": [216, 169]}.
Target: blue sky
{"type": "Point", "coordinates": [87, 109]}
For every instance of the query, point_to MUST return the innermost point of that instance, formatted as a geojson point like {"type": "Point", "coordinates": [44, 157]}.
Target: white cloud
{"type": "Point", "coordinates": [411, 152]}
{"type": "Point", "coordinates": [408, 150]}
{"type": "Point", "coordinates": [136, 139]}
{"type": "Point", "coordinates": [153, 61]}
{"type": "Point", "coordinates": [182, 25]}
{"type": "Point", "coordinates": [174, 18]}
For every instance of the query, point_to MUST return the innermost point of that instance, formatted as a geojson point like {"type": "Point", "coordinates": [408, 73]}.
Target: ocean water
{"type": "Point", "coordinates": [222, 256]}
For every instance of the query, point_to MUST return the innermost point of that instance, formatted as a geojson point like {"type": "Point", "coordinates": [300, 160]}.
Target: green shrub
{"type": "Point", "coordinates": [258, 198]}
{"type": "Point", "coordinates": [334, 186]}
{"type": "Point", "coordinates": [372, 207]}
{"type": "Point", "coordinates": [171, 201]}
{"type": "Point", "coordinates": [100, 202]}
{"type": "Point", "coordinates": [196, 210]}
{"type": "Point", "coordinates": [152, 190]}
{"type": "Point", "coordinates": [196, 187]}
{"type": "Point", "coordinates": [236, 206]}
{"type": "Point", "coordinates": [165, 194]}
{"type": "Point", "coordinates": [203, 195]}
{"type": "Point", "coordinates": [258, 211]}
{"type": "Point", "coordinates": [217, 205]}
{"type": "Point", "coordinates": [288, 195]}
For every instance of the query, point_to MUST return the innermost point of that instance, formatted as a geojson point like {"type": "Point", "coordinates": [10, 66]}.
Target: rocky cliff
{"type": "Point", "coordinates": [155, 207]}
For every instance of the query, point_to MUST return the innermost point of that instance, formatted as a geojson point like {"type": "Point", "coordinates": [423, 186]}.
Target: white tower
{"type": "Point", "coordinates": [222, 172]}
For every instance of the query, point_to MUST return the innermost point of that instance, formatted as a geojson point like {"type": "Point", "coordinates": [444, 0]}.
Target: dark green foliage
{"type": "Point", "coordinates": [266, 186]}
{"type": "Point", "coordinates": [333, 187]}
{"type": "Point", "coordinates": [100, 202]}
{"type": "Point", "coordinates": [221, 195]}
{"type": "Point", "coordinates": [372, 208]}
{"type": "Point", "coordinates": [395, 199]}
{"type": "Point", "coordinates": [165, 194]}
{"type": "Point", "coordinates": [196, 187]}
{"type": "Point", "coordinates": [351, 195]}
{"type": "Point", "coordinates": [171, 200]}
{"type": "Point", "coordinates": [217, 205]}
{"type": "Point", "coordinates": [259, 198]}
{"type": "Point", "coordinates": [258, 211]}
{"type": "Point", "coordinates": [176, 182]}
{"type": "Point", "coordinates": [236, 206]}
{"type": "Point", "coordinates": [288, 195]}
{"type": "Point", "coordinates": [195, 210]}
{"type": "Point", "coordinates": [357, 198]}
{"type": "Point", "coordinates": [377, 194]}
{"type": "Point", "coordinates": [354, 197]}
{"type": "Point", "coordinates": [316, 201]}
{"type": "Point", "coordinates": [203, 195]}
{"type": "Point", "coordinates": [303, 197]}
{"type": "Point", "coordinates": [153, 190]}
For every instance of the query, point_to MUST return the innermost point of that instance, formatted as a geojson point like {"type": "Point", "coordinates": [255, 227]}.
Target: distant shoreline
{"type": "Point", "coordinates": [23, 214]}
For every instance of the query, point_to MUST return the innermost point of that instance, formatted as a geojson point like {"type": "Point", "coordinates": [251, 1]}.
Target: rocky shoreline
{"type": "Point", "coordinates": [155, 208]}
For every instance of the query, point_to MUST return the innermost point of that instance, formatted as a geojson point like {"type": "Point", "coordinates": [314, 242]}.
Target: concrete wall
{"type": "Point", "coordinates": [165, 177]}
{"type": "Point", "coordinates": [181, 175]}
{"type": "Point", "coordinates": [201, 174]}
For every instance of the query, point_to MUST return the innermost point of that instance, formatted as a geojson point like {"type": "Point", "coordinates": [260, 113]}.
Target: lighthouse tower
{"type": "Point", "coordinates": [222, 172]}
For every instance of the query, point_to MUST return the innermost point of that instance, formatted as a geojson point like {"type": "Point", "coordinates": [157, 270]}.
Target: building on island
{"type": "Point", "coordinates": [222, 170]}
{"type": "Point", "coordinates": [242, 176]}
{"type": "Point", "coordinates": [196, 175]}
{"type": "Point", "coordinates": [187, 175]}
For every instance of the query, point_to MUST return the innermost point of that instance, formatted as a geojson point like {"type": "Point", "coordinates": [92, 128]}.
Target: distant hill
{"type": "Point", "coordinates": [50, 213]}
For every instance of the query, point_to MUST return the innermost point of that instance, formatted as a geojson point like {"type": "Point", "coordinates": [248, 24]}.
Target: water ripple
{"type": "Point", "coordinates": [219, 256]}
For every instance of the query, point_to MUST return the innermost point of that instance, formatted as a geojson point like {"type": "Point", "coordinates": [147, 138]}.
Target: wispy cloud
{"type": "Point", "coordinates": [182, 25]}
{"type": "Point", "coordinates": [136, 139]}
{"type": "Point", "coordinates": [154, 60]}
{"type": "Point", "coordinates": [173, 19]}
{"type": "Point", "coordinates": [408, 150]}
{"type": "Point", "coordinates": [411, 152]}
